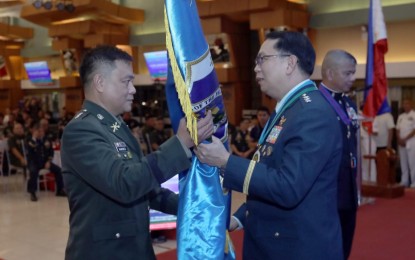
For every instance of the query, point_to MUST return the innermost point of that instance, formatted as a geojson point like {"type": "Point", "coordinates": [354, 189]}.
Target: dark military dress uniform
{"type": "Point", "coordinates": [111, 186]}
{"type": "Point", "coordinates": [348, 194]}
{"type": "Point", "coordinates": [40, 151]}
{"type": "Point", "coordinates": [239, 139]}
{"type": "Point", "coordinates": [291, 183]}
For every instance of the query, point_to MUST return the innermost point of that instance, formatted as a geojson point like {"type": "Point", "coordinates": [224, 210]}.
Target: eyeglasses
{"type": "Point", "coordinates": [259, 60]}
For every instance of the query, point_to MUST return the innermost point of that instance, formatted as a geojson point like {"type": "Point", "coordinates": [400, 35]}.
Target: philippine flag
{"type": "Point", "coordinates": [376, 89]}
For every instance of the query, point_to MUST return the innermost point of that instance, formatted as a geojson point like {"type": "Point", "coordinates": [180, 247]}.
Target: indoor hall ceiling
{"type": "Point", "coordinates": [341, 13]}
{"type": "Point", "coordinates": [324, 13]}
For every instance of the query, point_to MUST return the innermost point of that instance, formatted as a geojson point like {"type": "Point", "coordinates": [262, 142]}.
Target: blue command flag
{"type": "Point", "coordinates": [203, 205]}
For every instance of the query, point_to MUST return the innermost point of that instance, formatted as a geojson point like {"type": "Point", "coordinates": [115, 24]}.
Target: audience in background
{"type": "Point", "coordinates": [26, 152]}
{"type": "Point", "coordinates": [129, 121]}
{"type": "Point", "coordinates": [50, 135]}
{"type": "Point", "coordinates": [240, 140]}
{"type": "Point", "coordinates": [262, 116]}
{"type": "Point", "coordinates": [149, 123]}
{"type": "Point", "coordinates": [17, 149]}
{"type": "Point", "coordinates": [6, 116]}
{"type": "Point", "coordinates": [64, 120]}
{"type": "Point", "coordinates": [39, 156]}
{"type": "Point", "coordinates": [34, 107]}
{"type": "Point", "coordinates": [159, 135]}
{"type": "Point", "coordinates": [8, 126]}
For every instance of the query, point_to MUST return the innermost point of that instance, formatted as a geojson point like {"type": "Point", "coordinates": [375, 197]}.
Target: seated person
{"type": "Point", "coordinates": [17, 147]}
{"type": "Point", "coordinates": [39, 155]}
{"type": "Point", "coordinates": [239, 141]}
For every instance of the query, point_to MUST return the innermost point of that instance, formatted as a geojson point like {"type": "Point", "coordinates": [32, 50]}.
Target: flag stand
{"type": "Point", "coordinates": [385, 186]}
{"type": "Point", "coordinates": [376, 103]}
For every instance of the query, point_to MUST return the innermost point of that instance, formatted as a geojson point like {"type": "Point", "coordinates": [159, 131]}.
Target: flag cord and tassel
{"type": "Point", "coordinates": [181, 87]}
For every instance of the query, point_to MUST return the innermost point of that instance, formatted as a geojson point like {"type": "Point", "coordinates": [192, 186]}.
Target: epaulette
{"type": "Point", "coordinates": [81, 114]}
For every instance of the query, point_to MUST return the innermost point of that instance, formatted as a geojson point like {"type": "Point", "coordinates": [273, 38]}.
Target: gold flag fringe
{"type": "Point", "coordinates": [228, 243]}
{"type": "Point", "coordinates": [181, 87]}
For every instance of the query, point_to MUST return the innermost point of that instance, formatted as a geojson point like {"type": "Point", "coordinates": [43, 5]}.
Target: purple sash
{"type": "Point", "coordinates": [336, 106]}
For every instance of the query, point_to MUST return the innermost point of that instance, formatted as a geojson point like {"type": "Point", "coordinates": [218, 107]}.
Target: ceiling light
{"type": "Point", "coordinates": [70, 7]}
{"type": "Point", "coordinates": [37, 4]}
{"type": "Point", "coordinates": [47, 5]}
{"type": "Point", "coordinates": [60, 6]}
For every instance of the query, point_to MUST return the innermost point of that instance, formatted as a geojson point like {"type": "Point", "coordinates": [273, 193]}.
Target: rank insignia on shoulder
{"type": "Point", "coordinates": [100, 117]}
{"type": "Point", "coordinates": [121, 146]}
{"type": "Point", "coordinates": [306, 98]}
{"type": "Point", "coordinates": [79, 114]}
{"type": "Point", "coordinates": [115, 127]}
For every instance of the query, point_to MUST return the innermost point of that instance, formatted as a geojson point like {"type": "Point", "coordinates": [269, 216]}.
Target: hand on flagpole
{"type": "Point", "coordinates": [204, 130]}
{"type": "Point", "coordinates": [213, 154]}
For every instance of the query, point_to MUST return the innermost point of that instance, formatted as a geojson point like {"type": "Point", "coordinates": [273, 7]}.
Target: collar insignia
{"type": "Point", "coordinates": [306, 98]}
{"type": "Point", "coordinates": [282, 120]}
{"type": "Point", "coordinates": [115, 127]}
{"type": "Point", "coordinates": [100, 117]}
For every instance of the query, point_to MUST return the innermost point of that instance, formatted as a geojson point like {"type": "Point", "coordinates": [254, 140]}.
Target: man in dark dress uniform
{"type": "Point", "coordinates": [291, 181]}
{"type": "Point", "coordinates": [110, 184]}
{"type": "Point", "coordinates": [338, 71]}
{"type": "Point", "coordinates": [39, 156]}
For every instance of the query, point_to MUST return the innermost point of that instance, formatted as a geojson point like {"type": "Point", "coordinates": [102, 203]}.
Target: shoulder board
{"type": "Point", "coordinates": [81, 114]}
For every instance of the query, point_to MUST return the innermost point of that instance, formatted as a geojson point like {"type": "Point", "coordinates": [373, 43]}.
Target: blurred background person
{"type": "Point", "coordinates": [262, 116]}
{"type": "Point", "coordinates": [240, 140]}
{"type": "Point", "coordinates": [405, 133]}
{"type": "Point", "coordinates": [39, 156]}
{"type": "Point", "coordinates": [383, 127]}
{"type": "Point", "coordinates": [159, 135]}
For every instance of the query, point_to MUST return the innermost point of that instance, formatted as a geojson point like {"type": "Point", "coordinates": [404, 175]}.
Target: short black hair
{"type": "Point", "coordinates": [101, 55]}
{"type": "Point", "coordinates": [297, 44]}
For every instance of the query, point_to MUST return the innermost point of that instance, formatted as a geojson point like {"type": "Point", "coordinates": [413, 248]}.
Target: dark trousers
{"type": "Point", "coordinates": [348, 224]}
{"type": "Point", "coordinates": [34, 177]}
